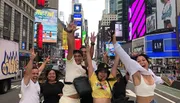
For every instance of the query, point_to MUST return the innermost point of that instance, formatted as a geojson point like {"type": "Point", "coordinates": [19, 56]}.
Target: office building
{"type": "Point", "coordinates": [119, 7]}
{"type": "Point", "coordinates": [113, 6]}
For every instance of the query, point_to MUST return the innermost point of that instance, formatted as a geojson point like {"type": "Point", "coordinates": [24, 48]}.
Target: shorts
{"type": "Point", "coordinates": [65, 99]}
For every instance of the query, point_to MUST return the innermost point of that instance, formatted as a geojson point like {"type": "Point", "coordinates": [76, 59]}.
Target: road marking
{"type": "Point", "coordinates": [130, 93]}
{"type": "Point", "coordinates": [164, 98]}
{"type": "Point", "coordinates": [15, 86]}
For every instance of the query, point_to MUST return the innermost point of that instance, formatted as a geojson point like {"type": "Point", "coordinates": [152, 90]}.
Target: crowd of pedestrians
{"type": "Point", "coordinates": [107, 84]}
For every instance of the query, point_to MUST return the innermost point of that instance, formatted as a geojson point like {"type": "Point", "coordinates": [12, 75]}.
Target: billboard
{"type": "Point", "coordinates": [64, 40]}
{"type": "Point", "coordinates": [110, 49]}
{"type": "Point", "coordinates": [137, 19]}
{"type": "Point", "coordinates": [83, 37]}
{"type": "Point", "coordinates": [166, 14]}
{"type": "Point", "coordinates": [178, 32]}
{"type": "Point", "coordinates": [77, 44]}
{"type": "Point", "coordinates": [77, 33]}
{"type": "Point", "coordinates": [151, 23]}
{"type": "Point", "coordinates": [161, 45]}
{"type": "Point", "coordinates": [48, 18]}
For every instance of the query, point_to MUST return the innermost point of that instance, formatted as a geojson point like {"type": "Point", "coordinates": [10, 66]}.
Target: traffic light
{"type": "Point", "coordinates": [40, 3]}
{"type": "Point", "coordinates": [40, 35]}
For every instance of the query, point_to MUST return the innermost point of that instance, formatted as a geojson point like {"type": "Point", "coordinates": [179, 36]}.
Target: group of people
{"type": "Point", "coordinates": [107, 82]}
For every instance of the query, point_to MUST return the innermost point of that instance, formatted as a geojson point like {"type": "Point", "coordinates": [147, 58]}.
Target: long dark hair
{"type": "Point", "coordinates": [47, 72]}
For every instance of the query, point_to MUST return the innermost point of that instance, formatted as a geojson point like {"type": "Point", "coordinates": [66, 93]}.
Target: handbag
{"type": "Point", "coordinates": [82, 85]}
{"type": "Point", "coordinates": [118, 100]}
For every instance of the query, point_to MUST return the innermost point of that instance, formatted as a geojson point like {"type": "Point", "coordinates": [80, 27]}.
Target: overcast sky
{"type": "Point", "coordinates": [92, 11]}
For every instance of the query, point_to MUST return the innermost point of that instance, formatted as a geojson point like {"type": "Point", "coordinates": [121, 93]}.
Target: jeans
{"type": "Point", "coordinates": [153, 101]}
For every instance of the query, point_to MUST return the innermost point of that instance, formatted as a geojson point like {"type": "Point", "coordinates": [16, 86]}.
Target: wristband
{"type": "Point", "coordinates": [92, 43]}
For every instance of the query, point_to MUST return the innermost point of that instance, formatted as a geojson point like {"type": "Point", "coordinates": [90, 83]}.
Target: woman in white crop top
{"type": "Point", "coordinates": [144, 79]}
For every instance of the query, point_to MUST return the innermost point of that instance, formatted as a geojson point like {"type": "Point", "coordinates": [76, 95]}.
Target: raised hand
{"type": "Point", "coordinates": [93, 37]}
{"type": "Point", "coordinates": [32, 54]}
{"type": "Point", "coordinates": [71, 27]}
{"type": "Point", "coordinates": [48, 59]}
{"type": "Point", "coordinates": [86, 41]}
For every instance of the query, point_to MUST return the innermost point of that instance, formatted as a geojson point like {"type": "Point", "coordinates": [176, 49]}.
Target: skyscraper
{"type": "Point", "coordinates": [107, 6]}
{"type": "Point", "coordinates": [119, 6]}
{"type": "Point", "coordinates": [113, 6]}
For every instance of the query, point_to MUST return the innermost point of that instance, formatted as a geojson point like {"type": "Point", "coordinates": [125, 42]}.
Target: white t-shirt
{"type": "Point", "coordinates": [72, 71]}
{"type": "Point", "coordinates": [30, 93]}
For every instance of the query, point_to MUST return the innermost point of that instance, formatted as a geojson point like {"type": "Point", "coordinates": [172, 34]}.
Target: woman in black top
{"type": "Point", "coordinates": [52, 88]}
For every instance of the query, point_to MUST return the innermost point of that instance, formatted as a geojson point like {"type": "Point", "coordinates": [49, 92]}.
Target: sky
{"type": "Point", "coordinates": [92, 11]}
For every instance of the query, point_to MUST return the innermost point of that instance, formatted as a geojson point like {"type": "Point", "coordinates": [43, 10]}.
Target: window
{"type": "Point", "coordinates": [31, 35]}
{"type": "Point", "coordinates": [24, 32]}
{"type": "Point", "coordinates": [17, 22]}
{"type": "Point", "coordinates": [20, 2]}
{"type": "Point", "coordinates": [7, 21]}
{"type": "Point", "coordinates": [32, 2]}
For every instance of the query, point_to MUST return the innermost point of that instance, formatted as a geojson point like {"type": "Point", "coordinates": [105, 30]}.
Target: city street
{"type": "Point", "coordinates": [12, 95]}
{"type": "Point", "coordinates": [160, 96]}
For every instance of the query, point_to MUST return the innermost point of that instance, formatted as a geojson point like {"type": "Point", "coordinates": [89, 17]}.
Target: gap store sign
{"type": "Point", "coordinates": [161, 45]}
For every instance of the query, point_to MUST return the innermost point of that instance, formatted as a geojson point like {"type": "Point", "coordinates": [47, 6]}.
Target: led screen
{"type": "Point", "coordinates": [137, 19]}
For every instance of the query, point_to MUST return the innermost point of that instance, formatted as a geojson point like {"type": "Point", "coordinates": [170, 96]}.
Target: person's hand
{"type": "Point", "coordinates": [113, 37]}
{"type": "Point", "coordinates": [86, 41]}
{"type": "Point", "coordinates": [93, 37]}
{"type": "Point", "coordinates": [71, 28]}
{"type": "Point", "coordinates": [60, 94]}
{"type": "Point", "coordinates": [48, 59]}
{"type": "Point", "coordinates": [32, 54]}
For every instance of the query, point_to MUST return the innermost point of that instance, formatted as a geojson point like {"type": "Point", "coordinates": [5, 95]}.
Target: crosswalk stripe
{"type": "Point", "coordinates": [15, 86]}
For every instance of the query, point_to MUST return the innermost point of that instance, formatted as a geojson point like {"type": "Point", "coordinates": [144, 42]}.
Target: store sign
{"type": "Point", "coordinates": [157, 45]}
{"type": "Point", "coordinates": [77, 15]}
{"type": "Point", "coordinates": [78, 23]}
{"type": "Point", "coordinates": [77, 8]}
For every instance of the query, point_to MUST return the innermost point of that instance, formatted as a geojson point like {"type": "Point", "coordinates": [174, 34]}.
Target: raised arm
{"type": "Point", "coordinates": [114, 68]}
{"type": "Point", "coordinates": [105, 57]}
{"type": "Point", "coordinates": [93, 39]}
{"type": "Point", "coordinates": [27, 75]}
{"type": "Point", "coordinates": [41, 68]}
{"type": "Point", "coordinates": [131, 66]}
{"type": "Point", "coordinates": [89, 60]}
{"type": "Point", "coordinates": [70, 38]}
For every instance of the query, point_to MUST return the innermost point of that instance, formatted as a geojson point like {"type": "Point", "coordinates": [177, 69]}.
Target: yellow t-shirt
{"type": "Point", "coordinates": [101, 89]}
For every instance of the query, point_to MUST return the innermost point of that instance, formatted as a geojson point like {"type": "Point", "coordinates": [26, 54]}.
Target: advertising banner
{"type": "Point", "coordinates": [48, 18]}
{"type": "Point", "coordinates": [161, 45]}
{"type": "Point", "coordinates": [83, 37]}
{"type": "Point", "coordinates": [151, 23]}
{"type": "Point", "coordinates": [137, 19]}
{"type": "Point", "coordinates": [166, 14]}
{"type": "Point", "coordinates": [64, 40]}
{"type": "Point", "coordinates": [77, 33]}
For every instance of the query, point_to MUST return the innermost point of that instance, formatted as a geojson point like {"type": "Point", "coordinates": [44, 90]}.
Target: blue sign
{"type": "Point", "coordinates": [77, 8]}
{"type": "Point", "coordinates": [165, 45]}
{"type": "Point", "coordinates": [179, 31]}
{"type": "Point", "coordinates": [78, 23]}
{"type": "Point", "coordinates": [77, 15]}
{"type": "Point", "coordinates": [23, 45]}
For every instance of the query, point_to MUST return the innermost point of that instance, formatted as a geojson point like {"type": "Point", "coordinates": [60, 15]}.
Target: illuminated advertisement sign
{"type": "Point", "coordinates": [83, 37]}
{"type": "Point", "coordinates": [166, 13]}
{"type": "Point", "coordinates": [64, 40]}
{"type": "Point", "coordinates": [77, 33]}
{"type": "Point", "coordinates": [78, 23]}
{"type": "Point", "coordinates": [77, 15]}
{"type": "Point", "coordinates": [48, 18]}
{"type": "Point", "coordinates": [161, 45]}
{"type": "Point", "coordinates": [137, 19]}
{"type": "Point", "coordinates": [110, 49]}
{"type": "Point", "coordinates": [178, 31]}
{"type": "Point", "coordinates": [77, 44]}
{"type": "Point", "coordinates": [77, 7]}
{"type": "Point", "coordinates": [151, 23]}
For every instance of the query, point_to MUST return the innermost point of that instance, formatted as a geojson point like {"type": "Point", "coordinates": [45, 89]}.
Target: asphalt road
{"type": "Point", "coordinates": [160, 97]}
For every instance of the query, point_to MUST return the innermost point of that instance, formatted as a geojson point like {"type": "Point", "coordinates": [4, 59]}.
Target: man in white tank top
{"type": "Point", "coordinates": [30, 88]}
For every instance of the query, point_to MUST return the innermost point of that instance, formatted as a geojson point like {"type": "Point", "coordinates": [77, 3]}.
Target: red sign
{"type": "Point", "coordinates": [40, 35]}
{"type": "Point", "coordinates": [41, 3]}
{"type": "Point", "coordinates": [77, 44]}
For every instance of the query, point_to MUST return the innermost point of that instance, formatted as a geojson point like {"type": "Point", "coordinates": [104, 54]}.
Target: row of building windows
{"type": "Point", "coordinates": [25, 7]}
{"type": "Point", "coordinates": [17, 23]}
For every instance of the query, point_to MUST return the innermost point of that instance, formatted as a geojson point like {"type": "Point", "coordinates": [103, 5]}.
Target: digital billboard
{"type": "Point", "coordinates": [110, 49]}
{"type": "Point", "coordinates": [48, 18]}
{"type": "Point", "coordinates": [161, 45]}
{"type": "Point", "coordinates": [77, 44]}
{"type": "Point", "coordinates": [166, 13]}
{"type": "Point", "coordinates": [151, 23]}
{"type": "Point", "coordinates": [178, 32]}
{"type": "Point", "coordinates": [137, 19]}
{"type": "Point", "coordinates": [83, 37]}
{"type": "Point", "coordinates": [77, 33]}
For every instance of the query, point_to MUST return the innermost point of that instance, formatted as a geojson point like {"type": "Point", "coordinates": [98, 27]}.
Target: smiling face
{"type": "Point", "coordinates": [102, 75]}
{"type": "Point", "coordinates": [143, 62]}
{"type": "Point", "coordinates": [84, 53]}
{"type": "Point", "coordinates": [34, 75]}
{"type": "Point", "coordinates": [51, 76]}
{"type": "Point", "coordinates": [78, 58]}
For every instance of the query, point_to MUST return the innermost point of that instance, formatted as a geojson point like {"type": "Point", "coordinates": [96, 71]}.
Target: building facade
{"type": "Point", "coordinates": [107, 18]}
{"type": "Point", "coordinates": [52, 4]}
{"type": "Point", "coordinates": [113, 6]}
{"type": "Point", "coordinates": [119, 6]}
{"type": "Point", "coordinates": [16, 23]}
